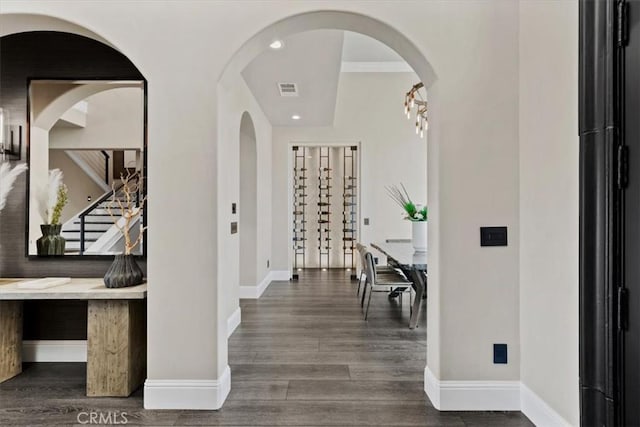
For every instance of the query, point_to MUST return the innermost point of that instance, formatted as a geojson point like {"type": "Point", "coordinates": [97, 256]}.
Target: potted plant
{"type": "Point", "coordinates": [124, 270]}
{"type": "Point", "coordinates": [8, 177]}
{"type": "Point", "coordinates": [52, 200]}
{"type": "Point", "coordinates": [415, 213]}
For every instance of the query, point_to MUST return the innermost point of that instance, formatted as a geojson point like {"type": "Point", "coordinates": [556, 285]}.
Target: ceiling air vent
{"type": "Point", "coordinates": [288, 89]}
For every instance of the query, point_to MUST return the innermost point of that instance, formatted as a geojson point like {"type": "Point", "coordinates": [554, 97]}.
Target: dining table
{"type": "Point", "coordinates": [401, 254]}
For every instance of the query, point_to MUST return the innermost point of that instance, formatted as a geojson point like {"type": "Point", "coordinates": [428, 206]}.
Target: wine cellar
{"type": "Point", "coordinates": [325, 207]}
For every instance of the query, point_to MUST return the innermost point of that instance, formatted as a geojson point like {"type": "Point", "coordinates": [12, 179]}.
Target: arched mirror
{"type": "Point", "coordinates": [87, 157]}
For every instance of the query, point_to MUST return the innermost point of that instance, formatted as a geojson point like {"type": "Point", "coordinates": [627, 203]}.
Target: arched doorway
{"type": "Point", "coordinates": [61, 54]}
{"type": "Point", "coordinates": [248, 205]}
{"type": "Point", "coordinates": [375, 29]}
{"type": "Point", "coordinates": [302, 23]}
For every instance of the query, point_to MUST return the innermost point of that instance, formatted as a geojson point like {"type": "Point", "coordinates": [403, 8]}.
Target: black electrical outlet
{"type": "Point", "coordinates": [500, 353]}
{"type": "Point", "coordinates": [493, 236]}
{"type": "Point", "coordinates": [234, 227]}
{"type": "Point", "coordinates": [233, 208]}
{"type": "Point", "coordinates": [267, 263]}
{"type": "Point", "coordinates": [366, 221]}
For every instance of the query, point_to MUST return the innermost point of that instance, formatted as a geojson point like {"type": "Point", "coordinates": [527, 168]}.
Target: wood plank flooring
{"type": "Point", "coordinates": [303, 356]}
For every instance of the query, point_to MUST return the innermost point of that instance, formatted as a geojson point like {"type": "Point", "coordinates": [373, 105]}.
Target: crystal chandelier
{"type": "Point", "coordinates": [413, 99]}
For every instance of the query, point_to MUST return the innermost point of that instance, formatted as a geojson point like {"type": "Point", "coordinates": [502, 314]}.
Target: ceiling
{"type": "Point", "coordinates": [313, 60]}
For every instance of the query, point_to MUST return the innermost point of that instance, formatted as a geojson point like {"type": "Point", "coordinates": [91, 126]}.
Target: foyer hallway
{"type": "Point", "coordinates": [303, 356]}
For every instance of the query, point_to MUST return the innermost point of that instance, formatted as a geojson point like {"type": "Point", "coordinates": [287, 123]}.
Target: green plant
{"type": "Point", "coordinates": [61, 201]}
{"type": "Point", "coordinates": [412, 211]}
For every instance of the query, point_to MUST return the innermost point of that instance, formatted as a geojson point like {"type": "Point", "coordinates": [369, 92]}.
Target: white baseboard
{"type": "Point", "coordinates": [234, 321]}
{"type": "Point", "coordinates": [538, 411]}
{"type": "Point", "coordinates": [490, 396]}
{"type": "Point", "coordinates": [187, 394]}
{"type": "Point", "coordinates": [54, 351]}
{"type": "Point", "coordinates": [254, 292]}
{"type": "Point", "coordinates": [280, 275]}
{"type": "Point", "coordinates": [432, 387]}
{"type": "Point", "coordinates": [472, 395]}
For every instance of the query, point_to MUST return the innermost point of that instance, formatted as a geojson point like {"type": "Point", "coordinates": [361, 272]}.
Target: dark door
{"type": "Point", "coordinates": [631, 134]}
{"type": "Point", "coordinates": [602, 211]}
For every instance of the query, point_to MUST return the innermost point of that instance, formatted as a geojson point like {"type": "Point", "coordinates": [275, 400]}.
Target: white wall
{"type": "Point", "coordinates": [38, 180]}
{"type": "Point", "coordinates": [114, 120]}
{"type": "Point", "coordinates": [248, 202]}
{"type": "Point", "coordinates": [477, 125]}
{"type": "Point", "coordinates": [235, 98]}
{"type": "Point", "coordinates": [549, 203]}
{"type": "Point", "coordinates": [368, 110]}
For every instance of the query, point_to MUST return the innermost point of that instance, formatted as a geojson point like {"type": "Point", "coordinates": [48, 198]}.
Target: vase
{"type": "Point", "coordinates": [419, 235]}
{"type": "Point", "coordinates": [124, 271]}
{"type": "Point", "coordinates": [51, 242]}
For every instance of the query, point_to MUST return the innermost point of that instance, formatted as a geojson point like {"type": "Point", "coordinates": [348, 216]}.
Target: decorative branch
{"type": "Point", "coordinates": [128, 209]}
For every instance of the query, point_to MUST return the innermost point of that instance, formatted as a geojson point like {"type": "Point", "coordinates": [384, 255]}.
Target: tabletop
{"type": "Point", "coordinates": [79, 289]}
{"type": "Point", "coordinates": [403, 253]}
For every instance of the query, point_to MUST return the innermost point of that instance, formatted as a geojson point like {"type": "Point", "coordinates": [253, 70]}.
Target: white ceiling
{"type": "Point", "coordinates": [313, 60]}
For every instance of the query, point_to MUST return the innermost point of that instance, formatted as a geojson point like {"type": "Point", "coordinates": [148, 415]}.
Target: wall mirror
{"type": "Point", "coordinates": [94, 132]}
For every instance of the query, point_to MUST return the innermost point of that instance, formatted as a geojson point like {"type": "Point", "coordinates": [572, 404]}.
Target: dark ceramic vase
{"type": "Point", "coordinates": [51, 242]}
{"type": "Point", "coordinates": [123, 272]}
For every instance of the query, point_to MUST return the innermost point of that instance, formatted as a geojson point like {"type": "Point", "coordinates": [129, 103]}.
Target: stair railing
{"type": "Point", "coordinates": [106, 196]}
{"type": "Point", "coordinates": [106, 157]}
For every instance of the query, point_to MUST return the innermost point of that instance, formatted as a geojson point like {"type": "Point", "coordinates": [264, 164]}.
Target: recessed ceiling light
{"type": "Point", "coordinates": [276, 44]}
{"type": "Point", "coordinates": [295, 117]}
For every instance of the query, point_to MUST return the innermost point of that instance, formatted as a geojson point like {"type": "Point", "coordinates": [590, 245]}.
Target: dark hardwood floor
{"type": "Point", "coordinates": [303, 356]}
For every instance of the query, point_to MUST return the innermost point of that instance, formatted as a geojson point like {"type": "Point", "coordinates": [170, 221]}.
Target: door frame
{"type": "Point", "coordinates": [309, 144]}
{"type": "Point", "coordinates": [601, 212]}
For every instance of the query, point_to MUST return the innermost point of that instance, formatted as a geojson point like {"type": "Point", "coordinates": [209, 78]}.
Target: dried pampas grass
{"type": "Point", "coordinates": [47, 197]}
{"type": "Point", "coordinates": [8, 177]}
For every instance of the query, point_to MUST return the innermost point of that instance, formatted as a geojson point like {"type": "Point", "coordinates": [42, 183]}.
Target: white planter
{"type": "Point", "coordinates": [419, 235]}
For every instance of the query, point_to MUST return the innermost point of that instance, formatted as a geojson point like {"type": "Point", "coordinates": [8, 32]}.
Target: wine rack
{"type": "Point", "coordinates": [299, 209]}
{"type": "Point", "coordinates": [324, 208]}
{"type": "Point", "coordinates": [350, 208]}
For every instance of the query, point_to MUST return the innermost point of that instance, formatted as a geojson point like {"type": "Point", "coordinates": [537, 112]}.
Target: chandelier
{"type": "Point", "coordinates": [413, 99]}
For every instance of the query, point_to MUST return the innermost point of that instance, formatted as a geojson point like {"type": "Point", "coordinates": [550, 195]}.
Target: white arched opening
{"type": "Point", "coordinates": [12, 23]}
{"type": "Point", "coordinates": [334, 20]}
{"type": "Point", "coordinates": [45, 116]}
{"type": "Point", "coordinates": [373, 28]}
{"type": "Point", "coordinates": [248, 202]}
{"type": "Point", "coordinates": [347, 21]}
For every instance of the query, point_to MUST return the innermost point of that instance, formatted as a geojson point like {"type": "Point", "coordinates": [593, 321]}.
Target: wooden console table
{"type": "Point", "coordinates": [116, 332]}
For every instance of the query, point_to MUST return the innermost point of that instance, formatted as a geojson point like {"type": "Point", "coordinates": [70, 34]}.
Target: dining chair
{"type": "Point", "coordinates": [385, 283]}
{"type": "Point", "coordinates": [383, 269]}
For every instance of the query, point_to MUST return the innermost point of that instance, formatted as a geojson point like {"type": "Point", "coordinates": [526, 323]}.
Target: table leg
{"type": "Point", "coordinates": [10, 339]}
{"type": "Point", "coordinates": [420, 286]}
{"type": "Point", "coordinates": [116, 347]}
